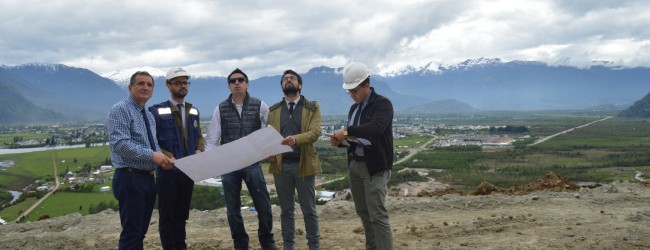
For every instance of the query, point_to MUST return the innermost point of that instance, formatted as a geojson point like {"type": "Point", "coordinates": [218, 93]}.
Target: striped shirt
{"type": "Point", "coordinates": [128, 136]}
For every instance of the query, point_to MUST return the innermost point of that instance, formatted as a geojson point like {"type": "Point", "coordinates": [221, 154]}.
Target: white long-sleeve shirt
{"type": "Point", "coordinates": [213, 138]}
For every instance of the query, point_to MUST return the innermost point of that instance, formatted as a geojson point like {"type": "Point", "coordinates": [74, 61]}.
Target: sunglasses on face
{"type": "Point", "coordinates": [235, 80]}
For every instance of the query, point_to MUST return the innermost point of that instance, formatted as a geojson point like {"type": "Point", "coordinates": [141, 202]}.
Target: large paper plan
{"type": "Point", "coordinates": [234, 155]}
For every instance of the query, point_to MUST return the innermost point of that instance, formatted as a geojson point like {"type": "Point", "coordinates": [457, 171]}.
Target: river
{"type": "Point", "coordinates": [6, 151]}
{"type": "Point", "coordinates": [16, 194]}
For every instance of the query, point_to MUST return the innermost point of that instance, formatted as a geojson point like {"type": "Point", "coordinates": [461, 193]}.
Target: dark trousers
{"type": "Point", "coordinates": [174, 197]}
{"type": "Point", "coordinates": [232, 184]}
{"type": "Point", "coordinates": [136, 196]}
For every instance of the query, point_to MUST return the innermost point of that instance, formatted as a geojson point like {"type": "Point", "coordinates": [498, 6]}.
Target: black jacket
{"type": "Point", "coordinates": [376, 125]}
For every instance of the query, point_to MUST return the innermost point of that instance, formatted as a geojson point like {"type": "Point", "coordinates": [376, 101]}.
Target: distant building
{"type": "Point", "coordinates": [211, 182]}
{"type": "Point", "coordinates": [105, 168]}
{"type": "Point", "coordinates": [325, 195]}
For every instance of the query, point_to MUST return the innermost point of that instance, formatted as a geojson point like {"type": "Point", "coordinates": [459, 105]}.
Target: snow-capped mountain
{"type": "Point", "coordinates": [493, 84]}
{"type": "Point", "coordinates": [483, 83]}
{"type": "Point", "coordinates": [122, 77]}
{"type": "Point", "coordinates": [471, 86]}
{"type": "Point", "coordinates": [50, 67]}
{"type": "Point", "coordinates": [433, 68]}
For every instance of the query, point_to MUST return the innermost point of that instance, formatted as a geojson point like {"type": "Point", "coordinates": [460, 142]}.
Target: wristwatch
{"type": "Point", "coordinates": [345, 131]}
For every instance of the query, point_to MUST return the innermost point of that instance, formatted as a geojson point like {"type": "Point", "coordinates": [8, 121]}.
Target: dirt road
{"type": "Point", "coordinates": [51, 191]}
{"type": "Point", "coordinates": [565, 131]}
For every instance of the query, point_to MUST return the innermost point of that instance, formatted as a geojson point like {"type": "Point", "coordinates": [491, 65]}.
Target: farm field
{"type": "Point", "coordinates": [608, 151]}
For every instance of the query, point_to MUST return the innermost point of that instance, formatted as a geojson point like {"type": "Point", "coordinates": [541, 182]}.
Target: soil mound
{"type": "Point", "coordinates": [551, 182]}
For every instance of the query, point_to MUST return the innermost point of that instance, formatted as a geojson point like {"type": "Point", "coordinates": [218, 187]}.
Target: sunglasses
{"type": "Point", "coordinates": [235, 80]}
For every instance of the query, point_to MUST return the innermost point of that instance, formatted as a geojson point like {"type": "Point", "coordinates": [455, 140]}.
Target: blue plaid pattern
{"type": "Point", "coordinates": [127, 133]}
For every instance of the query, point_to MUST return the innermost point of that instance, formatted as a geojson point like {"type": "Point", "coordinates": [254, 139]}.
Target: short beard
{"type": "Point", "coordinates": [290, 90]}
{"type": "Point", "coordinates": [179, 95]}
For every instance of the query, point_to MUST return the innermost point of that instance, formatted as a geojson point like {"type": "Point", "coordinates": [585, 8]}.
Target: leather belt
{"type": "Point", "coordinates": [290, 160]}
{"type": "Point", "coordinates": [137, 171]}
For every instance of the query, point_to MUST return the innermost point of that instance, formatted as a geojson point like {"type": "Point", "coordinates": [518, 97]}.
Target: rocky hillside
{"type": "Point", "coordinates": [551, 213]}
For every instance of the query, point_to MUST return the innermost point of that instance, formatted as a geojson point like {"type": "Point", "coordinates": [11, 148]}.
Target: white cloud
{"type": "Point", "coordinates": [264, 37]}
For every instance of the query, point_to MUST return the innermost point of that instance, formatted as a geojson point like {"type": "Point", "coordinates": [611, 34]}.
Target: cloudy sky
{"type": "Point", "coordinates": [266, 37]}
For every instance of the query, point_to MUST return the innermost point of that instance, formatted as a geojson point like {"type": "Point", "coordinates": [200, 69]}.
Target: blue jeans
{"type": "Point", "coordinates": [232, 184]}
{"type": "Point", "coordinates": [174, 197]}
{"type": "Point", "coordinates": [286, 185]}
{"type": "Point", "coordinates": [369, 195]}
{"type": "Point", "coordinates": [136, 196]}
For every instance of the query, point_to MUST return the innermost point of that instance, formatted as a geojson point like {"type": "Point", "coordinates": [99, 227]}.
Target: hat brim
{"type": "Point", "coordinates": [350, 85]}
{"type": "Point", "coordinates": [186, 75]}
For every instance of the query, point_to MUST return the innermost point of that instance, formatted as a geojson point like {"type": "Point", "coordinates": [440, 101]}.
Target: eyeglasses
{"type": "Point", "coordinates": [178, 84]}
{"type": "Point", "coordinates": [235, 80]}
{"type": "Point", "coordinates": [287, 78]}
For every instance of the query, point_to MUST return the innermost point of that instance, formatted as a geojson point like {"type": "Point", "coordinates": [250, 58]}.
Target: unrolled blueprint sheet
{"type": "Point", "coordinates": [234, 155]}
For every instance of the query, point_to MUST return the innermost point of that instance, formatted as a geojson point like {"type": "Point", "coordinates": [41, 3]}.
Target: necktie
{"type": "Point", "coordinates": [291, 107]}
{"type": "Point", "coordinates": [357, 115]}
{"type": "Point", "coordinates": [181, 110]}
{"type": "Point", "coordinates": [149, 135]}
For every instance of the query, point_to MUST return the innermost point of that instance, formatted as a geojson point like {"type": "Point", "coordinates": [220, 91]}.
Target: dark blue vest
{"type": "Point", "coordinates": [170, 137]}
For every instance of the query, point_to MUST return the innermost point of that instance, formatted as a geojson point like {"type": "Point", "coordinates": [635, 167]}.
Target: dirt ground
{"type": "Point", "coordinates": [551, 213]}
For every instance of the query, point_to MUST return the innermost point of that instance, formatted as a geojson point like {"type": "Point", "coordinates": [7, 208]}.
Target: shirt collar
{"type": "Point", "coordinates": [286, 102]}
{"type": "Point", "coordinates": [365, 101]}
{"type": "Point", "coordinates": [135, 104]}
{"type": "Point", "coordinates": [176, 103]}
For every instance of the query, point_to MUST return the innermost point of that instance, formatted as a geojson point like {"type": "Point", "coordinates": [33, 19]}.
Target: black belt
{"type": "Point", "coordinates": [291, 156]}
{"type": "Point", "coordinates": [137, 171]}
{"type": "Point", "coordinates": [358, 158]}
{"type": "Point", "coordinates": [290, 160]}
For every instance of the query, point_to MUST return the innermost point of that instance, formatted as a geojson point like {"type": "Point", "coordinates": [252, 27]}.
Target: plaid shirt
{"type": "Point", "coordinates": [128, 136]}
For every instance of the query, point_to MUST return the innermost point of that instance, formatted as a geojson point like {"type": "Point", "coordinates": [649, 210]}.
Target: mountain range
{"type": "Point", "coordinates": [55, 92]}
{"type": "Point", "coordinates": [640, 108]}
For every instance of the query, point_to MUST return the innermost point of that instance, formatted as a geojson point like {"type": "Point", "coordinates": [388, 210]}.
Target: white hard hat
{"type": "Point", "coordinates": [354, 74]}
{"type": "Point", "coordinates": [176, 72]}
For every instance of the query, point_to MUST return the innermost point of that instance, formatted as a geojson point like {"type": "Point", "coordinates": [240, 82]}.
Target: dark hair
{"type": "Point", "coordinates": [237, 70]}
{"type": "Point", "coordinates": [143, 73]}
{"type": "Point", "coordinates": [293, 73]}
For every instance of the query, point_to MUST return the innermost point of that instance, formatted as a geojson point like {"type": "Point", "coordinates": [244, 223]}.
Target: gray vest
{"type": "Point", "coordinates": [233, 126]}
{"type": "Point", "coordinates": [290, 125]}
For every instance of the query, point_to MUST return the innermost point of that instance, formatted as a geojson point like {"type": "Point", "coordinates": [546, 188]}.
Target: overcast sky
{"type": "Point", "coordinates": [266, 37]}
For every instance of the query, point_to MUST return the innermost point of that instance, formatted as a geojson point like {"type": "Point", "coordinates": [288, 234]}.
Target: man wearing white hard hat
{"type": "Point", "coordinates": [178, 130]}
{"type": "Point", "coordinates": [370, 163]}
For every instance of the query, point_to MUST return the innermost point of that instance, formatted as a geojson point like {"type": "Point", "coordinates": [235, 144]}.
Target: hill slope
{"type": "Point", "coordinates": [77, 93]}
{"type": "Point", "coordinates": [613, 216]}
{"type": "Point", "coordinates": [16, 109]}
{"type": "Point", "coordinates": [640, 108]}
